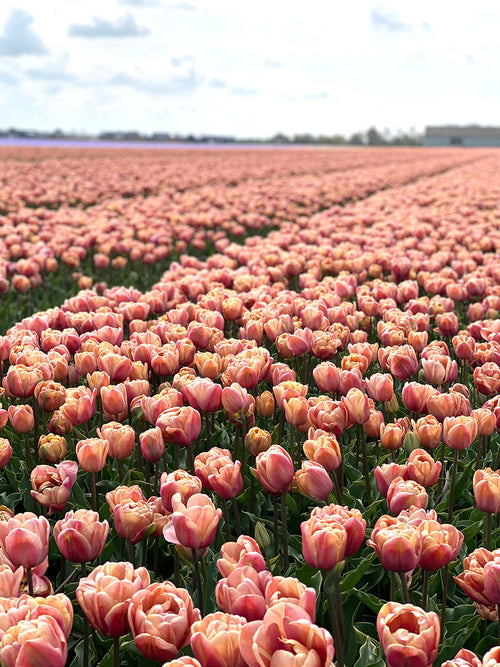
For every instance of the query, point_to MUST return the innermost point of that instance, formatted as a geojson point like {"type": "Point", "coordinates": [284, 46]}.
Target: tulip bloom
{"type": "Point", "coordinates": [21, 418]}
{"type": "Point", "coordinates": [180, 425]}
{"type": "Point", "coordinates": [380, 387]}
{"type": "Point", "coordinates": [35, 641]}
{"type": "Point", "coordinates": [323, 449]}
{"type": "Point", "coordinates": [274, 469]}
{"type": "Point", "coordinates": [5, 452]}
{"type": "Point", "coordinates": [465, 658]}
{"type": "Point", "coordinates": [105, 595]}
{"type": "Point", "coordinates": [52, 486]}
{"type": "Point", "coordinates": [203, 394]}
{"type": "Point", "coordinates": [357, 406]}
{"type": "Point", "coordinates": [245, 551]}
{"type": "Point", "coordinates": [350, 519]}
{"type": "Point", "coordinates": [25, 539]}
{"type": "Point", "coordinates": [387, 473]}
{"type": "Point", "coordinates": [397, 544]}
{"type": "Point", "coordinates": [52, 448]}
{"type": "Point", "coordinates": [473, 579]}
{"type": "Point", "coordinates": [422, 468]}
{"type": "Point", "coordinates": [290, 589]}
{"type": "Point", "coordinates": [486, 485]}
{"type": "Point", "coordinates": [429, 431]}
{"type": "Point", "coordinates": [286, 630]}
{"type": "Point", "coordinates": [324, 541]}
{"type": "Point", "coordinates": [132, 518]}
{"type": "Point", "coordinates": [215, 640]}
{"type": "Point", "coordinates": [408, 635]}
{"type": "Point", "coordinates": [314, 481]}
{"type": "Point", "coordinates": [257, 440]}
{"type": "Point", "coordinates": [160, 619]}
{"type": "Point", "coordinates": [194, 524]}
{"type": "Point", "coordinates": [121, 439]}
{"type": "Point", "coordinates": [459, 432]}
{"type": "Point", "coordinates": [242, 592]}
{"type": "Point", "coordinates": [91, 454]}
{"type": "Point", "coordinates": [80, 536]}
{"type": "Point", "coordinates": [178, 481]}
{"type": "Point", "coordinates": [405, 493]}
{"type": "Point", "coordinates": [152, 445]}
{"type": "Point", "coordinates": [441, 543]}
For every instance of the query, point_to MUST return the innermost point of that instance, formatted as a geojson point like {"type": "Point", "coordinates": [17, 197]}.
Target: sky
{"type": "Point", "coordinates": [248, 69]}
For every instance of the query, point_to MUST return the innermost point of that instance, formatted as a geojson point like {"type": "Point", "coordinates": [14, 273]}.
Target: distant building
{"type": "Point", "coordinates": [462, 135]}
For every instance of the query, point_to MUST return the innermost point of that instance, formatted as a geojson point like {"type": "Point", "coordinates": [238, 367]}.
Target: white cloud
{"type": "Point", "coordinates": [122, 26]}
{"type": "Point", "coordinates": [18, 37]}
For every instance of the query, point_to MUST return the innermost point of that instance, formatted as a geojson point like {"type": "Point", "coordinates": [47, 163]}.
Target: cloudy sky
{"type": "Point", "coordinates": [248, 69]}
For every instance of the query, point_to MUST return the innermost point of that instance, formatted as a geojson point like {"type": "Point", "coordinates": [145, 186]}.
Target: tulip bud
{"type": "Point", "coordinates": [262, 537]}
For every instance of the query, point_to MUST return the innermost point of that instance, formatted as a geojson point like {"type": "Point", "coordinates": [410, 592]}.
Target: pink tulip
{"type": "Point", "coordinates": [80, 536]}
{"type": "Point", "coordinates": [105, 595]}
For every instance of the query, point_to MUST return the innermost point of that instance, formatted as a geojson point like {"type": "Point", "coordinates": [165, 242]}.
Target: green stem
{"type": "Point", "coordinates": [29, 574]}
{"type": "Point", "coordinates": [276, 533]}
{"type": "Point", "coordinates": [85, 627]}
{"type": "Point", "coordinates": [404, 587]}
{"type": "Point", "coordinates": [237, 515]}
{"type": "Point", "coordinates": [337, 637]}
{"type": "Point", "coordinates": [69, 578]}
{"type": "Point", "coordinates": [443, 470]}
{"type": "Point", "coordinates": [197, 577]}
{"type": "Point", "coordinates": [297, 450]}
{"type": "Point", "coordinates": [131, 552]}
{"type": "Point", "coordinates": [487, 529]}
{"type": "Point", "coordinates": [157, 475]}
{"type": "Point", "coordinates": [93, 485]}
{"type": "Point", "coordinates": [425, 588]}
{"type": "Point", "coordinates": [208, 431]}
{"type": "Point", "coordinates": [338, 492]}
{"type": "Point", "coordinates": [361, 436]}
{"type": "Point", "coordinates": [116, 652]}
{"type": "Point", "coordinates": [27, 451]}
{"type": "Point", "coordinates": [243, 448]}
{"type": "Point", "coordinates": [226, 519]}
{"type": "Point", "coordinates": [444, 575]}
{"type": "Point", "coordinates": [190, 459]}
{"type": "Point", "coordinates": [452, 487]}
{"type": "Point", "coordinates": [284, 529]}
{"type": "Point", "coordinates": [340, 610]}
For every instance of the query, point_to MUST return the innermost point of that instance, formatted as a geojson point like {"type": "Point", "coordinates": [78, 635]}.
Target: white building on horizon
{"type": "Point", "coordinates": [462, 135]}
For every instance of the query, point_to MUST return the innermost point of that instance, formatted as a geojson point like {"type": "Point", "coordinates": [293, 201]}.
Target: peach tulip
{"type": "Point", "coordinates": [80, 536]}
{"type": "Point", "coordinates": [215, 640]}
{"type": "Point", "coordinates": [408, 634]}
{"type": "Point", "coordinates": [105, 594]}
{"type": "Point", "coordinates": [194, 524]}
{"type": "Point", "coordinates": [160, 619]}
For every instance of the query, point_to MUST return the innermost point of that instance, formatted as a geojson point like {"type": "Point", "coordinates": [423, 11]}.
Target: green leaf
{"type": "Point", "coordinates": [370, 654]}
{"type": "Point", "coordinates": [371, 601]}
{"type": "Point", "coordinates": [350, 579]}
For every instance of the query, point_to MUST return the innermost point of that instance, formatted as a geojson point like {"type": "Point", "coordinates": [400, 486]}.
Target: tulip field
{"type": "Point", "coordinates": [249, 407]}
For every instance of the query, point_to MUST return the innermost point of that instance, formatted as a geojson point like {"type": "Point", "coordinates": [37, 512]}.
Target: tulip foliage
{"type": "Point", "coordinates": [280, 440]}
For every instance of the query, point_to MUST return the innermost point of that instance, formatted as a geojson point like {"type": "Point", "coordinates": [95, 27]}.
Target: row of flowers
{"type": "Point", "coordinates": [151, 408]}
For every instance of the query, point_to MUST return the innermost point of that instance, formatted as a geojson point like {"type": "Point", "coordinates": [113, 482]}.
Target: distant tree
{"type": "Point", "coordinates": [280, 138]}
{"type": "Point", "coordinates": [305, 138]}
{"type": "Point", "coordinates": [374, 138]}
{"type": "Point", "coordinates": [356, 139]}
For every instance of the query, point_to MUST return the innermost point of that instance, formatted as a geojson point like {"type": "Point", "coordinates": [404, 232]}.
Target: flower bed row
{"type": "Point", "coordinates": [289, 448]}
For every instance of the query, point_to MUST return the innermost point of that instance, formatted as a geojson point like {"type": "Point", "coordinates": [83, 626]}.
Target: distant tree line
{"type": "Point", "coordinates": [371, 137]}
